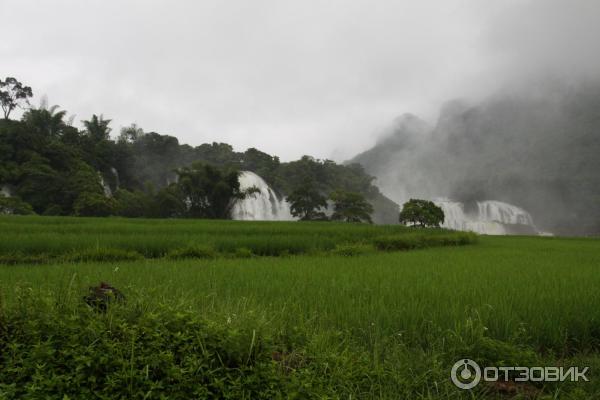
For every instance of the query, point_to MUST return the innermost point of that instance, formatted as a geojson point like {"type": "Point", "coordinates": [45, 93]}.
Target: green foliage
{"type": "Point", "coordinates": [14, 206]}
{"type": "Point", "coordinates": [210, 192]}
{"type": "Point", "coordinates": [382, 325]}
{"type": "Point", "coordinates": [53, 210]}
{"type": "Point", "coordinates": [93, 205]}
{"type": "Point", "coordinates": [421, 212]}
{"type": "Point", "coordinates": [352, 250]}
{"type": "Point", "coordinates": [167, 353]}
{"type": "Point", "coordinates": [196, 251]}
{"type": "Point", "coordinates": [58, 238]}
{"type": "Point", "coordinates": [134, 204]}
{"type": "Point", "coordinates": [45, 122]}
{"type": "Point", "coordinates": [50, 163]}
{"type": "Point", "coordinates": [130, 134]}
{"type": "Point", "coordinates": [243, 252]}
{"type": "Point", "coordinates": [306, 203]}
{"type": "Point", "coordinates": [350, 207]}
{"type": "Point", "coordinates": [102, 255]}
{"type": "Point", "coordinates": [419, 241]}
{"type": "Point", "coordinates": [97, 128]}
{"type": "Point", "coordinates": [170, 203]}
{"type": "Point", "coordinates": [39, 184]}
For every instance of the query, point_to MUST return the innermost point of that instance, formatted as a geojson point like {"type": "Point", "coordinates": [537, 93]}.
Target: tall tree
{"type": "Point", "coordinates": [350, 207]}
{"type": "Point", "coordinates": [97, 128]}
{"type": "Point", "coordinates": [421, 213]}
{"type": "Point", "coordinates": [12, 94]}
{"type": "Point", "coordinates": [307, 203]}
{"type": "Point", "coordinates": [45, 121]}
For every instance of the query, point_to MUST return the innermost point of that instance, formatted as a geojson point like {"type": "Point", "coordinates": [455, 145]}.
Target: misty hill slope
{"type": "Point", "coordinates": [537, 150]}
{"type": "Point", "coordinates": [50, 167]}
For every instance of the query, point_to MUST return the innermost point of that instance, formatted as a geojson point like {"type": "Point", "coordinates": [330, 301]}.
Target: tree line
{"type": "Point", "coordinates": [49, 166]}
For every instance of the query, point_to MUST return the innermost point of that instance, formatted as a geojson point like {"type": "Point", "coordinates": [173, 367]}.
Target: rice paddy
{"type": "Point", "coordinates": [328, 314]}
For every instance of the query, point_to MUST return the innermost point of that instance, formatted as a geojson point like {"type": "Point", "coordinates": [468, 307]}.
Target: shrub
{"type": "Point", "coordinates": [20, 258]}
{"type": "Point", "coordinates": [53, 209]}
{"type": "Point", "coordinates": [103, 255]}
{"type": "Point", "coordinates": [351, 250]}
{"type": "Point", "coordinates": [93, 205]}
{"type": "Point", "coordinates": [192, 252]}
{"type": "Point", "coordinates": [243, 252]}
{"type": "Point", "coordinates": [14, 205]}
{"type": "Point", "coordinates": [411, 241]}
{"type": "Point", "coordinates": [403, 242]}
{"type": "Point", "coordinates": [125, 355]}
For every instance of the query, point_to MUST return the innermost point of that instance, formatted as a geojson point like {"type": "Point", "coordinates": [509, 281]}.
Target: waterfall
{"type": "Point", "coordinates": [489, 217]}
{"type": "Point", "coordinates": [5, 191]}
{"type": "Point", "coordinates": [105, 186]}
{"type": "Point", "coordinates": [115, 173]}
{"type": "Point", "coordinates": [262, 206]}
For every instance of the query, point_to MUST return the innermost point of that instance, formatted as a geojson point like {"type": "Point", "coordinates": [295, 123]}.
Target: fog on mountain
{"type": "Point", "coordinates": [537, 150]}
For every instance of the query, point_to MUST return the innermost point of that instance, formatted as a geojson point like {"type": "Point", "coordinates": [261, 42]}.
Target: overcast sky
{"type": "Point", "coordinates": [288, 77]}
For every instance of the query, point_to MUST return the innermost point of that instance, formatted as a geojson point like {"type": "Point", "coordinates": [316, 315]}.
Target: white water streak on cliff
{"type": "Point", "coordinates": [262, 206]}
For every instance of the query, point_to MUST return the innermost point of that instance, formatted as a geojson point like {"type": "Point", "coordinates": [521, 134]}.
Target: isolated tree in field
{"type": "Point", "coordinates": [422, 213]}
{"type": "Point", "coordinates": [12, 95]}
{"type": "Point", "coordinates": [210, 192]}
{"type": "Point", "coordinates": [350, 207]}
{"type": "Point", "coordinates": [306, 203]}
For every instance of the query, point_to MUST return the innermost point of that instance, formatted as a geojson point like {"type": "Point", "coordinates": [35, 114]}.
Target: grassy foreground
{"type": "Point", "coordinates": [318, 325]}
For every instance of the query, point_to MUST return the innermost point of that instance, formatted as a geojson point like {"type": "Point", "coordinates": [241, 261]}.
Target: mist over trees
{"type": "Point", "coordinates": [50, 167]}
{"type": "Point", "coordinates": [537, 148]}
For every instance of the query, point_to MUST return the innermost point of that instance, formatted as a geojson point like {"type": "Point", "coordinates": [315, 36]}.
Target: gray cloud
{"type": "Point", "coordinates": [288, 77]}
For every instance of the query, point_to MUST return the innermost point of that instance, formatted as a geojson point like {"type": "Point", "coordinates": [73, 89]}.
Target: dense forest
{"type": "Point", "coordinates": [48, 166]}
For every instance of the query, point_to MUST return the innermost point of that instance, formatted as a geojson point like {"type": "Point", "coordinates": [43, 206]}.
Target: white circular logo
{"type": "Point", "coordinates": [465, 374]}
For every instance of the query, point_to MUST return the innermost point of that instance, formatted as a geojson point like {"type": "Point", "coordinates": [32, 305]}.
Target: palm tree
{"type": "Point", "coordinates": [97, 128]}
{"type": "Point", "coordinates": [45, 120]}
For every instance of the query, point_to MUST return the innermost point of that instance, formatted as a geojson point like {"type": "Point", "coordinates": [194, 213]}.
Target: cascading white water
{"type": "Point", "coordinates": [262, 206]}
{"type": "Point", "coordinates": [105, 186]}
{"type": "Point", "coordinates": [5, 191]}
{"type": "Point", "coordinates": [490, 218]}
{"type": "Point", "coordinates": [116, 175]}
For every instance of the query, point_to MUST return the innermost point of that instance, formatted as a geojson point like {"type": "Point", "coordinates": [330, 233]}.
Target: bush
{"type": "Point", "coordinates": [20, 258]}
{"type": "Point", "coordinates": [132, 204]}
{"type": "Point", "coordinates": [243, 252]}
{"type": "Point", "coordinates": [192, 252]}
{"type": "Point", "coordinates": [14, 206]}
{"type": "Point", "coordinates": [391, 243]}
{"type": "Point", "coordinates": [53, 209]}
{"type": "Point", "coordinates": [103, 255]}
{"type": "Point", "coordinates": [351, 250]}
{"type": "Point", "coordinates": [411, 241]}
{"type": "Point", "coordinates": [93, 205]}
{"type": "Point", "coordinates": [125, 355]}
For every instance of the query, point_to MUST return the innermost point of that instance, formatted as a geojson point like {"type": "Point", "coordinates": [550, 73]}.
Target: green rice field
{"type": "Point", "coordinates": [226, 309]}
